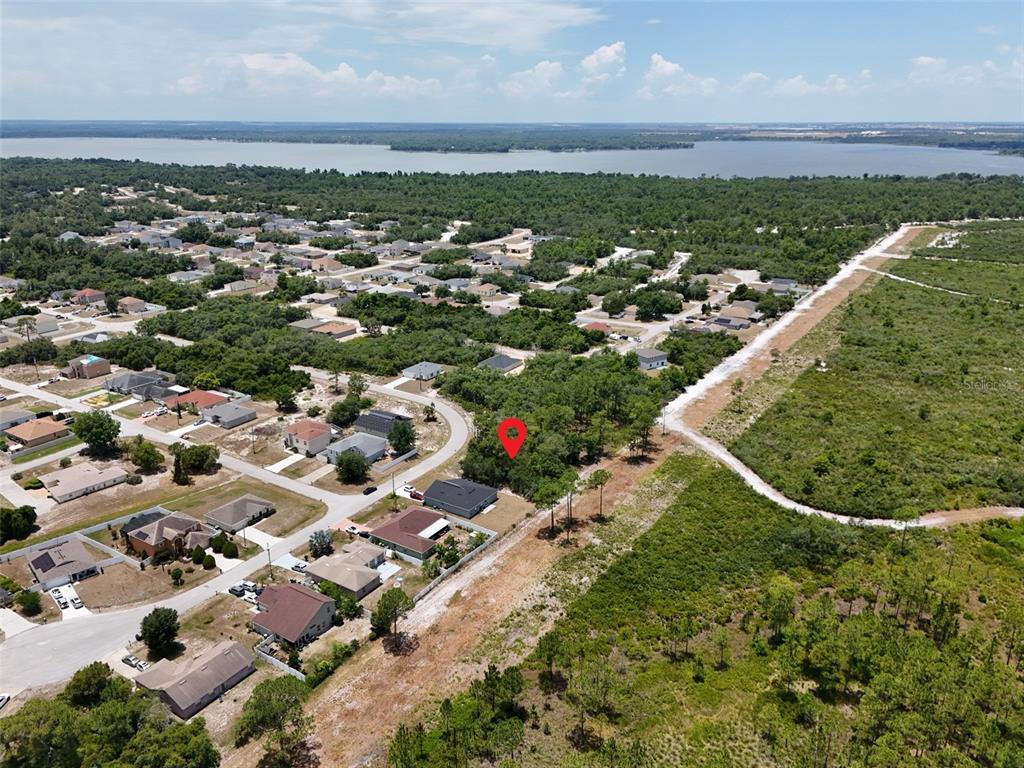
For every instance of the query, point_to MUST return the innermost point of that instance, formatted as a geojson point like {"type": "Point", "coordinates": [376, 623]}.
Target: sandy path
{"type": "Point", "coordinates": [703, 401]}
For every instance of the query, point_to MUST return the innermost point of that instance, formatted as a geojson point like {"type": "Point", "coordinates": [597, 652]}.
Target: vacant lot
{"type": "Point", "coordinates": [919, 408]}
{"type": "Point", "coordinates": [982, 241]}
{"type": "Point", "coordinates": [986, 279]}
{"type": "Point", "coordinates": [122, 585]}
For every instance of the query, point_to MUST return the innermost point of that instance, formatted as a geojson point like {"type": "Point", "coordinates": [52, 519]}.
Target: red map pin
{"type": "Point", "coordinates": [512, 444]}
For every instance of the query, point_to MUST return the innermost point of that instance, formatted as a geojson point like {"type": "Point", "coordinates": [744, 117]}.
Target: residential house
{"type": "Point", "coordinates": [187, 686]}
{"type": "Point", "coordinates": [245, 242]}
{"type": "Point", "coordinates": [37, 325]}
{"type": "Point", "coordinates": [730, 323]}
{"type": "Point", "coordinates": [188, 276]}
{"type": "Point", "coordinates": [157, 530]}
{"type": "Point", "coordinates": [69, 235]}
{"type": "Point", "coordinates": [484, 291]}
{"type": "Point", "coordinates": [130, 305]}
{"type": "Point", "coordinates": [37, 432]}
{"type": "Point", "coordinates": [12, 417]}
{"type": "Point", "coordinates": [326, 264]}
{"type": "Point", "coordinates": [86, 367]}
{"type": "Point", "coordinates": [460, 496]}
{"type": "Point", "coordinates": [293, 612]}
{"type": "Point", "coordinates": [353, 569]}
{"type": "Point", "coordinates": [59, 563]}
{"type": "Point", "coordinates": [197, 399]}
{"type": "Point", "coordinates": [237, 286]}
{"type": "Point", "coordinates": [651, 359]}
{"type": "Point", "coordinates": [501, 363]}
{"type": "Point", "coordinates": [598, 327]}
{"type": "Point", "coordinates": [306, 324]}
{"type": "Point", "coordinates": [81, 480]}
{"type": "Point", "coordinates": [336, 329]}
{"type": "Point", "coordinates": [377, 423]}
{"type": "Point", "coordinates": [128, 382]}
{"type": "Point", "coordinates": [424, 371]}
{"type": "Point", "coordinates": [237, 514]}
{"type": "Point", "coordinates": [229, 415]}
{"type": "Point", "coordinates": [371, 446]}
{"type": "Point", "coordinates": [413, 534]}
{"type": "Point", "coordinates": [782, 286]}
{"type": "Point", "coordinates": [307, 436]}
{"type": "Point", "coordinates": [88, 297]}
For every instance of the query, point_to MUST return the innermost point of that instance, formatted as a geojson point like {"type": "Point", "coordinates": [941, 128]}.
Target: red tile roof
{"type": "Point", "coordinates": [597, 327]}
{"type": "Point", "coordinates": [307, 429]}
{"type": "Point", "coordinates": [200, 398]}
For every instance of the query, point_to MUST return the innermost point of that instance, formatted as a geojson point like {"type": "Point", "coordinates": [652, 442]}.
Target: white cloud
{"type": "Point", "coordinates": [522, 25]}
{"type": "Point", "coordinates": [539, 80]}
{"type": "Point", "coordinates": [936, 72]}
{"type": "Point", "coordinates": [667, 78]}
{"type": "Point", "coordinates": [750, 81]}
{"type": "Point", "coordinates": [832, 85]}
{"type": "Point", "coordinates": [992, 30]}
{"type": "Point", "coordinates": [654, 21]}
{"type": "Point", "coordinates": [289, 72]}
{"type": "Point", "coordinates": [608, 59]}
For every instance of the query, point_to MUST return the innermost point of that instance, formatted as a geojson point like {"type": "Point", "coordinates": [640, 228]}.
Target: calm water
{"type": "Point", "coordinates": [716, 158]}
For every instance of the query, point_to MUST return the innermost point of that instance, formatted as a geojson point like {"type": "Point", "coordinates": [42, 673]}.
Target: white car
{"type": "Point", "coordinates": [408, 488]}
{"type": "Point", "coordinates": [4, 698]}
{"type": "Point", "coordinates": [77, 603]}
{"type": "Point", "coordinates": [352, 530]}
{"type": "Point", "coordinates": [143, 666]}
{"type": "Point", "coordinates": [250, 597]}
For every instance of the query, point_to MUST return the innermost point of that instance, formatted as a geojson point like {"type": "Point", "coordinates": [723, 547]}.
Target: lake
{"type": "Point", "coordinates": [711, 158]}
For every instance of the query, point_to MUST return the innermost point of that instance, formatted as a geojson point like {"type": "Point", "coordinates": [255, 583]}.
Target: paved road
{"type": "Point", "coordinates": [50, 653]}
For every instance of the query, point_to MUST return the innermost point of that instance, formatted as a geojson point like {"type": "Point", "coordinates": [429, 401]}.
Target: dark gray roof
{"type": "Point", "coordinates": [500, 362]}
{"type": "Point", "coordinates": [460, 492]}
{"type": "Point", "coordinates": [377, 421]}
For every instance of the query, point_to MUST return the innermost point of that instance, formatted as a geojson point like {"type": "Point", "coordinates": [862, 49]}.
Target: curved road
{"type": "Point", "coordinates": [49, 653]}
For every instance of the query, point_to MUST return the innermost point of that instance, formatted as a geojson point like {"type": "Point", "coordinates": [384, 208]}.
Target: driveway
{"type": "Point", "coordinates": [12, 624]}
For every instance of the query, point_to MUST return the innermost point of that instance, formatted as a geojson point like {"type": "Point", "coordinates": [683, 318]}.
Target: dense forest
{"type": "Point", "coordinates": [738, 633]}
{"type": "Point", "coordinates": [455, 137]}
{"type": "Point", "coordinates": [800, 228]}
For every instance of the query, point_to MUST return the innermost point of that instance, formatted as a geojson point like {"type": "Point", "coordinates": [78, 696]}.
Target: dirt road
{"type": "Point", "coordinates": [366, 699]}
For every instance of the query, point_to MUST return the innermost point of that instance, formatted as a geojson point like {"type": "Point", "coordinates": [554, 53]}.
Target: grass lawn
{"type": "Point", "coordinates": [46, 450]}
{"type": "Point", "coordinates": [293, 511]}
{"type": "Point", "coordinates": [921, 407]}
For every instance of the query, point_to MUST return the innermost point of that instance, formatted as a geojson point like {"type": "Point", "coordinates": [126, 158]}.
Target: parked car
{"type": "Point", "coordinates": [408, 488]}
{"type": "Point", "coordinates": [238, 590]}
{"type": "Point", "coordinates": [250, 598]}
{"type": "Point", "coordinates": [352, 530]}
{"type": "Point", "coordinates": [144, 665]}
{"type": "Point", "coordinates": [77, 603]}
{"type": "Point", "coordinates": [62, 603]}
{"type": "Point", "coordinates": [300, 567]}
{"type": "Point", "coordinates": [132, 661]}
{"type": "Point", "coordinates": [55, 592]}
{"type": "Point", "coordinates": [4, 698]}
{"type": "Point", "coordinates": [416, 495]}
{"type": "Point", "coordinates": [248, 586]}
{"type": "Point", "coordinates": [2, 398]}
{"type": "Point", "coordinates": [368, 491]}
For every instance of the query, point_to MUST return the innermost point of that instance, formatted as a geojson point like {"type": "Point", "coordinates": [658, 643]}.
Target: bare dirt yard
{"type": "Point", "coordinates": [371, 694]}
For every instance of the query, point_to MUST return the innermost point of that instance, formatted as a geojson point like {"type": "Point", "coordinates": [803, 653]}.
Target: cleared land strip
{"type": "Point", "coordinates": [693, 409]}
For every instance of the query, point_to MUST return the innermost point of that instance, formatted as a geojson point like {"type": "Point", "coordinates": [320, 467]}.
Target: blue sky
{"type": "Point", "coordinates": [526, 60]}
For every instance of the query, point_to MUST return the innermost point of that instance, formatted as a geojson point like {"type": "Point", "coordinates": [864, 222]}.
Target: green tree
{"type": "Point", "coordinates": [352, 467]}
{"type": "Point", "coordinates": [146, 456]}
{"type": "Point", "coordinates": [779, 604]}
{"type": "Point", "coordinates": [180, 476]}
{"type": "Point", "coordinates": [159, 630]}
{"type": "Point", "coordinates": [393, 605]}
{"type": "Point", "coordinates": [42, 733]}
{"type": "Point", "coordinates": [177, 577]}
{"type": "Point", "coordinates": [402, 436]}
{"type": "Point", "coordinates": [321, 543]}
{"type": "Point", "coordinates": [269, 707]}
{"type": "Point", "coordinates": [599, 478]}
{"type": "Point", "coordinates": [29, 603]}
{"type": "Point", "coordinates": [98, 430]}
{"type": "Point", "coordinates": [209, 563]}
{"type": "Point", "coordinates": [198, 554]}
{"type": "Point", "coordinates": [94, 684]}
{"type": "Point", "coordinates": [230, 549]}
{"type": "Point", "coordinates": [205, 380]}
{"type": "Point", "coordinates": [16, 523]}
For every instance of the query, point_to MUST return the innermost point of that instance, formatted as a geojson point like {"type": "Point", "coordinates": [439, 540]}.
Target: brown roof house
{"type": "Point", "coordinates": [37, 432]}
{"type": "Point", "coordinates": [413, 534]}
{"type": "Point", "coordinates": [54, 565]}
{"type": "Point", "coordinates": [353, 569]}
{"type": "Point", "coordinates": [188, 686]}
{"type": "Point", "coordinates": [198, 399]}
{"type": "Point", "coordinates": [293, 612]}
{"type": "Point", "coordinates": [239, 513]}
{"type": "Point", "coordinates": [157, 530]}
{"type": "Point", "coordinates": [307, 436]}
{"type": "Point", "coordinates": [335, 329]}
{"type": "Point", "coordinates": [87, 367]}
{"type": "Point", "coordinates": [88, 297]}
{"type": "Point", "coordinates": [130, 305]}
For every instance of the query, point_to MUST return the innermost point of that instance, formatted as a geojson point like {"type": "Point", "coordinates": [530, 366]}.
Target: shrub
{"type": "Point", "coordinates": [29, 603]}
{"type": "Point", "coordinates": [65, 462]}
{"type": "Point", "coordinates": [217, 543]}
{"type": "Point", "coordinates": [198, 555]}
{"type": "Point", "coordinates": [209, 563]}
{"type": "Point", "coordinates": [230, 549]}
{"type": "Point", "coordinates": [33, 484]}
{"type": "Point", "coordinates": [134, 480]}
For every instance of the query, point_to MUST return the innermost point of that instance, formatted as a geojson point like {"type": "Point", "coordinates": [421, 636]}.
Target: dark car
{"type": "Point", "coordinates": [237, 590]}
{"type": "Point", "coordinates": [416, 495]}
{"type": "Point", "coordinates": [368, 491]}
